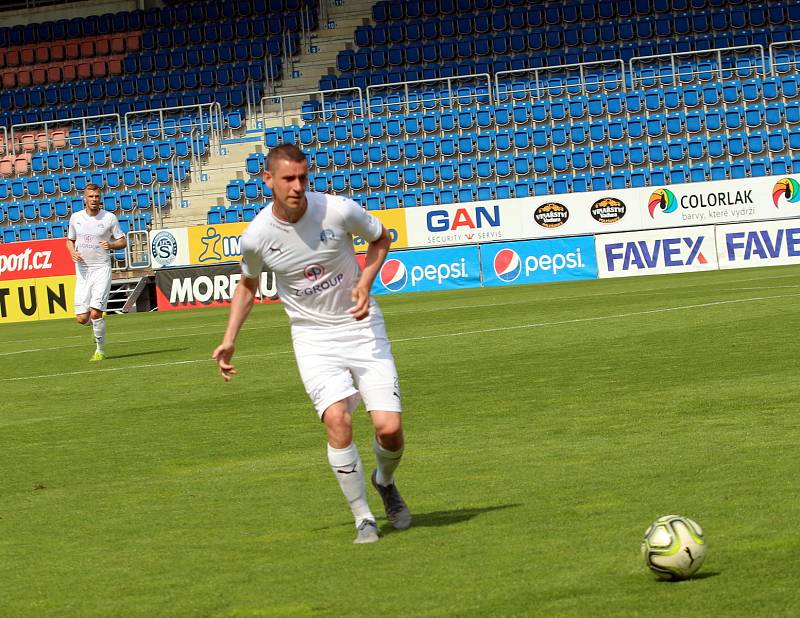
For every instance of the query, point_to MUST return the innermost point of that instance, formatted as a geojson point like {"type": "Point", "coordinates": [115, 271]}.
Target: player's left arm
{"type": "Point", "coordinates": [376, 255]}
{"type": "Point", "coordinates": [116, 243]}
{"type": "Point", "coordinates": [118, 239]}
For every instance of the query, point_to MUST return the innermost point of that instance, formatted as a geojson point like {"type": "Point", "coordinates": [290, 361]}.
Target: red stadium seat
{"type": "Point", "coordinates": [41, 141]}
{"type": "Point", "coordinates": [12, 58]}
{"type": "Point", "coordinates": [42, 53]}
{"type": "Point", "coordinates": [22, 163]}
{"type": "Point", "coordinates": [72, 51]}
{"type": "Point", "coordinates": [6, 167]}
{"type": "Point", "coordinates": [86, 49]}
{"type": "Point", "coordinates": [115, 67]}
{"type": "Point", "coordinates": [84, 70]}
{"type": "Point", "coordinates": [54, 75]}
{"type": "Point", "coordinates": [27, 56]}
{"type": "Point", "coordinates": [24, 77]}
{"type": "Point", "coordinates": [59, 138]}
{"type": "Point", "coordinates": [102, 46]}
{"type": "Point", "coordinates": [99, 68]}
{"type": "Point", "coordinates": [2, 59]}
{"type": "Point", "coordinates": [39, 76]}
{"type": "Point", "coordinates": [69, 72]}
{"type": "Point", "coordinates": [27, 142]}
{"type": "Point", "coordinates": [9, 79]}
{"type": "Point", "coordinates": [57, 52]}
{"type": "Point", "coordinates": [118, 44]}
{"type": "Point", "coordinates": [133, 42]}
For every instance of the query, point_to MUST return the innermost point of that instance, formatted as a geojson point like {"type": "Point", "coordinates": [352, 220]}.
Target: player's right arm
{"type": "Point", "coordinates": [72, 234]}
{"type": "Point", "coordinates": [241, 304]}
{"type": "Point", "coordinates": [73, 252]}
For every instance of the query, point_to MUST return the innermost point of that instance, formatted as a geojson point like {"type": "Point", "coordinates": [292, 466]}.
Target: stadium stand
{"type": "Point", "coordinates": [436, 101]}
{"type": "Point", "coordinates": [540, 98]}
{"type": "Point", "coordinates": [131, 101]}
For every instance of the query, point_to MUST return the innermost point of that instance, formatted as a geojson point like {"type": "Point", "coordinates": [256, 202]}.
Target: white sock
{"type": "Point", "coordinates": [349, 472]}
{"type": "Point", "coordinates": [387, 463]}
{"type": "Point", "coordinates": [99, 328]}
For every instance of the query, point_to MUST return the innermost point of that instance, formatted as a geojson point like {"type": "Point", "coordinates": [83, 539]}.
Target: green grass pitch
{"type": "Point", "coordinates": [547, 426]}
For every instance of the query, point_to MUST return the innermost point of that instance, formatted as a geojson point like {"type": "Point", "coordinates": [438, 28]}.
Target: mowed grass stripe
{"type": "Point", "coordinates": [535, 459]}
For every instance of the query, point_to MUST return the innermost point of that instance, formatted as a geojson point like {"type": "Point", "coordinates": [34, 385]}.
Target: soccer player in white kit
{"type": "Point", "coordinates": [338, 334]}
{"type": "Point", "coordinates": [92, 233]}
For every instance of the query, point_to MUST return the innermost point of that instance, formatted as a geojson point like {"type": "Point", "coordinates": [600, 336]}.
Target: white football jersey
{"type": "Point", "coordinates": [313, 260]}
{"type": "Point", "coordinates": [87, 232]}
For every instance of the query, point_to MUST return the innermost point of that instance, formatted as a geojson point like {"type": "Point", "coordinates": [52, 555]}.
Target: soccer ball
{"type": "Point", "coordinates": [673, 547]}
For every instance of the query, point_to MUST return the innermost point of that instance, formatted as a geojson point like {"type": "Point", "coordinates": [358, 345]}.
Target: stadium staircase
{"type": "Point", "coordinates": [124, 294]}
{"type": "Point", "coordinates": [316, 59]}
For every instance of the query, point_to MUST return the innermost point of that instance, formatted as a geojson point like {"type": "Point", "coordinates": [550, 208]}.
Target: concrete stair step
{"type": "Point", "coordinates": [322, 57]}
{"type": "Point", "coordinates": [221, 169]}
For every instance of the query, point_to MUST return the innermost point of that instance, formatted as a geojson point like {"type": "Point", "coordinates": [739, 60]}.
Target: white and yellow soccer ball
{"type": "Point", "coordinates": [674, 547]}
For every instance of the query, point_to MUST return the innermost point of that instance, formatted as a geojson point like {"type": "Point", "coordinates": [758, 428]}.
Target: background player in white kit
{"type": "Point", "coordinates": [92, 233]}
{"type": "Point", "coordinates": [338, 333]}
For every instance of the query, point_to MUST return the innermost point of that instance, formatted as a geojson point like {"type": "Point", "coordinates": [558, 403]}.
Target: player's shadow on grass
{"type": "Point", "coordinates": [436, 519]}
{"type": "Point", "coordinates": [148, 353]}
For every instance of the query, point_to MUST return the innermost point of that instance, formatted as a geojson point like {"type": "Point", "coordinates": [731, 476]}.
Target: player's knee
{"type": "Point", "coordinates": [389, 430]}
{"type": "Point", "coordinates": [339, 425]}
{"type": "Point", "coordinates": [94, 314]}
{"type": "Point", "coordinates": [82, 318]}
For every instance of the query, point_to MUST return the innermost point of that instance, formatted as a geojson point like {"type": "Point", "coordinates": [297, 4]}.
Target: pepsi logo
{"type": "Point", "coordinates": [394, 275]}
{"type": "Point", "coordinates": [507, 265]}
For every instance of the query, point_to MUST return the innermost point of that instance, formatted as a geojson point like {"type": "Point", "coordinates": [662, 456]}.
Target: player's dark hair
{"type": "Point", "coordinates": [289, 152]}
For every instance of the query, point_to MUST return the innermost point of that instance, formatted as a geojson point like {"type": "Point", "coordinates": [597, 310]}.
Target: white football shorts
{"type": "Point", "coordinates": [92, 287]}
{"type": "Point", "coordinates": [349, 364]}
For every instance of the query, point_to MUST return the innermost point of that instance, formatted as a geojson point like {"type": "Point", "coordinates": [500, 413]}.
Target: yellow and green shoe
{"type": "Point", "coordinates": [98, 356]}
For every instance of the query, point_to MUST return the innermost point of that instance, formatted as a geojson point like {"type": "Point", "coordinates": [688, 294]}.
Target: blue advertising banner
{"type": "Point", "coordinates": [429, 269]}
{"type": "Point", "coordinates": [539, 261]}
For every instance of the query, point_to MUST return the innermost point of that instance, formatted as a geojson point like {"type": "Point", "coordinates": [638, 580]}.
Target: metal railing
{"type": "Point", "coordinates": [6, 146]}
{"type": "Point", "coordinates": [113, 130]}
{"type": "Point", "coordinates": [14, 5]}
{"type": "Point", "coordinates": [202, 117]}
{"type": "Point", "coordinates": [791, 65]}
{"type": "Point", "coordinates": [357, 108]}
{"type": "Point", "coordinates": [138, 249]}
{"type": "Point", "coordinates": [270, 76]}
{"type": "Point", "coordinates": [444, 96]}
{"type": "Point", "coordinates": [575, 78]}
{"type": "Point", "coordinates": [195, 155]}
{"type": "Point", "coordinates": [323, 12]}
{"type": "Point", "coordinates": [725, 58]}
{"type": "Point", "coordinates": [306, 35]}
{"type": "Point", "coordinates": [158, 213]}
{"type": "Point", "coordinates": [177, 186]}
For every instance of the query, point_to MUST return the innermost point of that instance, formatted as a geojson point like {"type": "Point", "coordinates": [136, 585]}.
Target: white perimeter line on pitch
{"type": "Point", "coordinates": [128, 367]}
{"type": "Point", "coordinates": [424, 337]}
{"type": "Point", "coordinates": [595, 319]}
{"type": "Point", "coordinates": [407, 310]}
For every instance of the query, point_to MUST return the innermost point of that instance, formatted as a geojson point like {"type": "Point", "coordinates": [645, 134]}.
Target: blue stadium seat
{"type": "Point", "coordinates": [25, 232]}
{"type": "Point", "coordinates": [215, 216]}
{"type": "Point", "coordinates": [233, 214]}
